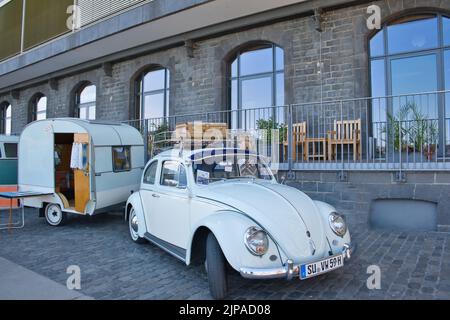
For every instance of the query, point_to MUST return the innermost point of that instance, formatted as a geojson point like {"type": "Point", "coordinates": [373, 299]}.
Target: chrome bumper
{"type": "Point", "coordinates": [289, 270]}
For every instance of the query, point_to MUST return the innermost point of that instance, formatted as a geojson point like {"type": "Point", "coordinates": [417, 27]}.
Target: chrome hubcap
{"type": "Point", "coordinates": [54, 214]}
{"type": "Point", "coordinates": [134, 223]}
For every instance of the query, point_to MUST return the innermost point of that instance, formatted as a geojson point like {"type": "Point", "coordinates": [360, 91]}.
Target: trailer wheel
{"type": "Point", "coordinates": [54, 215]}
{"type": "Point", "coordinates": [133, 224]}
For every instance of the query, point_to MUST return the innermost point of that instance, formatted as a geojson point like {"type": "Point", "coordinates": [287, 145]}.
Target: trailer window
{"type": "Point", "coordinates": [10, 150]}
{"type": "Point", "coordinates": [121, 159]}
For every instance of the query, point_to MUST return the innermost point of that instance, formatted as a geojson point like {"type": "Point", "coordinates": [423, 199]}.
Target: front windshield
{"type": "Point", "coordinates": [219, 168]}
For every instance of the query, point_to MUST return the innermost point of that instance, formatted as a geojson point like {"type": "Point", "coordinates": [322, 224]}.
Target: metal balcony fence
{"type": "Point", "coordinates": [404, 132]}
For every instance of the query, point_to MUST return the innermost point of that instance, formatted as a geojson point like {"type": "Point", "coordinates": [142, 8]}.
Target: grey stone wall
{"type": "Point", "coordinates": [354, 196]}
{"type": "Point", "coordinates": [199, 84]}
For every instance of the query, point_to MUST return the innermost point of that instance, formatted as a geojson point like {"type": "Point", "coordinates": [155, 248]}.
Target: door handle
{"type": "Point", "coordinates": [155, 195]}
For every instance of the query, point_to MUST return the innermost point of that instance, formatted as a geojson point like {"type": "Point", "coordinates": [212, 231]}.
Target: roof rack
{"type": "Point", "coordinates": [169, 140]}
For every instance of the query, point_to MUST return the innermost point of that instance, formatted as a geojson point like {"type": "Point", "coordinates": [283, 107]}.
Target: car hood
{"type": "Point", "coordinates": [290, 217]}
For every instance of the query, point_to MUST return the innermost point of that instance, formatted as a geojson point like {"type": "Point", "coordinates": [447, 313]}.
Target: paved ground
{"type": "Point", "coordinates": [18, 282]}
{"type": "Point", "coordinates": [413, 265]}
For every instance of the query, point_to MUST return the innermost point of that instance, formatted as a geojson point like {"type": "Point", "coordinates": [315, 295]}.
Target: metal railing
{"type": "Point", "coordinates": [404, 132]}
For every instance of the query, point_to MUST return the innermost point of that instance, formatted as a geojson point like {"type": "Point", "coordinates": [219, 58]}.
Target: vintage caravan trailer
{"type": "Point", "coordinates": [8, 166]}
{"type": "Point", "coordinates": [78, 166]}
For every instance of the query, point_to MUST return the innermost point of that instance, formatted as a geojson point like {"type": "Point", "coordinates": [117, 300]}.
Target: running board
{"type": "Point", "coordinates": [173, 250]}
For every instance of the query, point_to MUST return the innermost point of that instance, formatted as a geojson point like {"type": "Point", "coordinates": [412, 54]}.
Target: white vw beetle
{"type": "Point", "coordinates": [224, 206]}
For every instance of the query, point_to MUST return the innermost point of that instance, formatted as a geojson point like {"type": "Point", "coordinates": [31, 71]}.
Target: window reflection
{"type": "Point", "coordinates": [447, 80]}
{"type": "Point", "coordinates": [38, 108]}
{"type": "Point", "coordinates": [406, 69]}
{"type": "Point", "coordinates": [153, 95]}
{"type": "Point", "coordinates": [421, 78]}
{"type": "Point", "coordinates": [86, 102]}
{"type": "Point", "coordinates": [5, 118]}
{"type": "Point", "coordinates": [447, 96]}
{"type": "Point", "coordinates": [378, 81]}
{"type": "Point", "coordinates": [413, 36]}
{"type": "Point", "coordinates": [377, 45]}
{"type": "Point", "coordinates": [446, 27]}
{"type": "Point", "coordinates": [257, 83]}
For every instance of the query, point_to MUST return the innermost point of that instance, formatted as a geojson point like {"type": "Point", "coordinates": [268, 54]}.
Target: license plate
{"type": "Point", "coordinates": [317, 268]}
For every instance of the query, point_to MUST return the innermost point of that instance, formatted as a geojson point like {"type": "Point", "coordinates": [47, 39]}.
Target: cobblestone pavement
{"type": "Point", "coordinates": [413, 265]}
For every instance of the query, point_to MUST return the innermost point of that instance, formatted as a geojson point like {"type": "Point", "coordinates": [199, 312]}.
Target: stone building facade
{"type": "Point", "coordinates": [199, 83]}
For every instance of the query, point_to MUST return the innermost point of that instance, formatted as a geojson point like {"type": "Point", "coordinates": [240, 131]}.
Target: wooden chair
{"type": "Point", "coordinates": [346, 132]}
{"type": "Point", "coordinates": [298, 139]}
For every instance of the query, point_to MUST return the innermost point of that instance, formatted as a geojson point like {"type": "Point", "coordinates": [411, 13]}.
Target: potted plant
{"type": "Point", "coordinates": [412, 134]}
{"type": "Point", "coordinates": [267, 126]}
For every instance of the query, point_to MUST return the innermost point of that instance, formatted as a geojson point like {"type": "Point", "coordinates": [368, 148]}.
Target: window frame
{"type": "Point", "coordinates": [5, 144]}
{"type": "Point", "coordinates": [113, 162]}
{"type": "Point", "coordinates": [34, 113]}
{"type": "Point", "coordinates": [4, 118]}
{"type": "Point", "coordinates": [439, 52]}
{"type": "Point", "coordinates": [86, 105]}
{"type": "Point", "coordinates": [388, 58]}
{"type": "Point", "coordinates": [156, 163]}
{"type": "Point", "coordinates": [141, 94]}
{"type": "Point", "coordinates": [179, 166]}
{"type": "Point", "coordinates": [237, 122]}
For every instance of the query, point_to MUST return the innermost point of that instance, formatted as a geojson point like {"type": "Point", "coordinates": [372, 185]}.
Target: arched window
{"type": "Point", "coordinates": [409, 56]}
{"type": "Point", "coordinates": [5, 118]}
{"type": "Point", "coordinates": [153, 88]}
{"type": "Point", "coordinates": [86, 98]}
{"type": "Point", "coordinates": [256, 81]}
{"type": "Point", "coordinates": [38, 108]}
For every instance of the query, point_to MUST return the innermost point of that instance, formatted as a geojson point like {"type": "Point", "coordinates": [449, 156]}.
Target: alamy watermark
{"type": "Point", "coordinates": [74, 280]}
{"type": "Point", "coordinates": [74, 20]}
{"type": "Point", "coordinates": [374, 280]}
{"type": "Point", "coordinates": [374, 20]}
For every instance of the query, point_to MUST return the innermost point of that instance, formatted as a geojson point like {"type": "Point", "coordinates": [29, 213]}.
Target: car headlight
{"type": "Point", "coordinates": [256, 241]}
{"type": "Point", "coordinates": [338, 224]}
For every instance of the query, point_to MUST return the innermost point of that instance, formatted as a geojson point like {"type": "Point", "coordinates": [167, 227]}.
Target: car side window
{"type": "Point", "coordinates": [150, 173]}
{"type": "Point", "coordinates": [173, 175]}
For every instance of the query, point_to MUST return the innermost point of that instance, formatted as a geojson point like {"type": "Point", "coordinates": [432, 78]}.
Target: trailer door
{"type": "Point", "coordinates": [82, 177]}
{"type": "Point", "coordinates": [36, 158]}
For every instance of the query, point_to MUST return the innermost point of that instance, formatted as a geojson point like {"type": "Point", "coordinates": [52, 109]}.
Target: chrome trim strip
{"type": "Point", "coordinates": [169, 248]}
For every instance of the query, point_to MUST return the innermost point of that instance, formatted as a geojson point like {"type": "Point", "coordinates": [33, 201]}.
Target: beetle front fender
{"type": "Point", "coordinates": [135, 202]}
{"type": "Point", "coordinates": [325, 210]}
{"type": "Point", "coordinates": [229, 228]}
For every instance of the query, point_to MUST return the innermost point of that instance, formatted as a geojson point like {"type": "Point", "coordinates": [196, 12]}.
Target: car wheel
{"type": "Point", "coordinates": [133, 224]}
{"type": "Point", "coordinates": [216, 268]}
{"type": "Point", "coordinates": [54, 215]}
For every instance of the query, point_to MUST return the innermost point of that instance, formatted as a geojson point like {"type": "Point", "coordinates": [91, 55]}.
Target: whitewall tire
{"type": "Point", "coordinates": [133, 225]}
{"type": "Point", "coordinates": [54, 215]}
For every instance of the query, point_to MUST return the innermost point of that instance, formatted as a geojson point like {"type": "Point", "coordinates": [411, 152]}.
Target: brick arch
{"type": "Point", "coordinates": [75, 91]}
{"type": "Point", "coordinates": [135, 77]}
{"type": "Point", "coordinates": [405, 13]}
{"type": "Point", "coordinates": [3, 105]}
{"type": "Point", "coordinates": [31, 101]}
{"type": "Point", "coordinates": [231, 54]}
